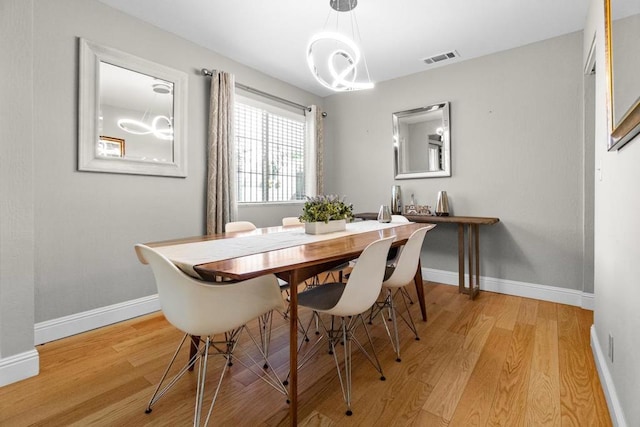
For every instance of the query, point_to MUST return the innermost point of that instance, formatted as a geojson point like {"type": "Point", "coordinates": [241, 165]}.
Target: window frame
{"type": "Point", "coordinates": [277, 109]}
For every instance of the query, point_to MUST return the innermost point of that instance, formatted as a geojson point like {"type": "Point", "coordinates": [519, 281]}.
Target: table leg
{"type": "Point", "coordinates": [420, 291]}
{"type": "Point", "coordinates": [293, 347]}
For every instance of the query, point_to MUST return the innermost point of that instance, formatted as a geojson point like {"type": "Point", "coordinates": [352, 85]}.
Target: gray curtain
{"type": "Point", "coordinates": [314, 156]}
{"type": "Point", "coordinates": [221, 185]}
{"type": "Point", "coordinates": [319, 151]}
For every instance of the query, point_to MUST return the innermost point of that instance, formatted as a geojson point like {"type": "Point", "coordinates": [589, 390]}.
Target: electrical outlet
{"type": "Point", "coordinates": [611, 348]}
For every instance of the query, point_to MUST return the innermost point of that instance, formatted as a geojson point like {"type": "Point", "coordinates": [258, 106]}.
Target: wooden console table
{"type": "Point", "coordinates": [470, 245]}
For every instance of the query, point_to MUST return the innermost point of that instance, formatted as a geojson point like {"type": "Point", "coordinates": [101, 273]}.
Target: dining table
{"type": "Point", "coordinates": [290, 254]}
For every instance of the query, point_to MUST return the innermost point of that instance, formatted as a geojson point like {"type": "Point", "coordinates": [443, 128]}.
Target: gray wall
{"type": "Point", "coordinates": [616, 231]}
{"type": "Point", "coordinates": [16, 178]}
{"type": "Point", "coordinates": [66, 237]}
{"type": "Point", "coordinates": [86, 224]}
{"type": "Point", "coordinates": [517, 148]}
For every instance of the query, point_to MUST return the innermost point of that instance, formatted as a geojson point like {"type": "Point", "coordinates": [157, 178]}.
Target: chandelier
{"type": "Point", "coordinates": [160, 126]}
{"type": "Point", "coordinates": [334, 58]}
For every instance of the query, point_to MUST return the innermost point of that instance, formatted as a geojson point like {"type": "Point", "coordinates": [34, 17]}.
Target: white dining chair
{"type": "Point", "coordinates": [203, 310]}
{"type": "Point", "coordinates": [291, 220]}
{"type": "Point", "coordinates": [399, 218]}
{"type": "Point", "coordinates": [396, 278]}
{"type": "Point", "coordinates": [234, 226]}
{"type": "Point", "coordinates": [394, 253]}
{"type": "Point", "coordinates": [392, 258]}
{"type": "Point", "coordinates": [345, 303]}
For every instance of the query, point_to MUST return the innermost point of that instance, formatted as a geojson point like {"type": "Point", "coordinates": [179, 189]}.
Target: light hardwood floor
{"type": "Point", "coordinates": [499, 360]}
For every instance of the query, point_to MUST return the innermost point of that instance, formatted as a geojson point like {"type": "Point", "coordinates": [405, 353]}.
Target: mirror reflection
{"type": "Point", "coordinates": [138, 110]}
{"type": "Point", "coordinates": [625, 38]}
{"type": "Point", "coordinates": [421, 142]}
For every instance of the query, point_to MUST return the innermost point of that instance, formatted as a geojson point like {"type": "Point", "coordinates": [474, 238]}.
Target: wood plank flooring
{"type": "Point", "coordinates": [497, 361]}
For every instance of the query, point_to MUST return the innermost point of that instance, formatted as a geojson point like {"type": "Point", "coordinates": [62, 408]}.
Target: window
{"type": "Point", "coordinates": [270, 147]}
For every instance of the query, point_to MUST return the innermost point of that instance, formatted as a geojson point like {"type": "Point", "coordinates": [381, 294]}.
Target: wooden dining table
{"type": "Point", "coordinates": [295, 264]}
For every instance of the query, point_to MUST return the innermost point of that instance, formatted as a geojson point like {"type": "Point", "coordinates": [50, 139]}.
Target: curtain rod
{"type": "Point", "coordinates": [208, 73]}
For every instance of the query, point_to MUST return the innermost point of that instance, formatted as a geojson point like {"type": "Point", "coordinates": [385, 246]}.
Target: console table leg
{"type": "Point", "coordinates": [461, 287]}
{"type": "Point", "coordinates": [476, 240]}
{"type": "Point", "coordinates": [470, 255]}
{"type": "Point", "coordinates": [470, 248]}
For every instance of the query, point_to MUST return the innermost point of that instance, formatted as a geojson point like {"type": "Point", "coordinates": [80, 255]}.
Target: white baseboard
{"type": "Point", "coordinates": [25, 365]}
{"type": "Point", "coordinates": [615, 409]}
{"type": "Point", "coordinates": [521, 289]}
{"type": "Point", "coordinates": [19, 367]}
{"type": "Point", "coordinates": [66, 326]}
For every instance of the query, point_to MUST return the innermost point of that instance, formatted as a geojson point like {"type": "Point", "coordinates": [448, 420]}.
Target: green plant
{"type": "Point", "coordinates": [326, 208]}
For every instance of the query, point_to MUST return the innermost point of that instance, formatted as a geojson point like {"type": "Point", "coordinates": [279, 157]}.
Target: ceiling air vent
{"type": "Point", "coordinates": [441, 57]}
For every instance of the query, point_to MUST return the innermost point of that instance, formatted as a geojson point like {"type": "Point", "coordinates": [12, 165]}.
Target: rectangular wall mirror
{"type": "Point", "coordinates": [622, 33]}
{"type": "Point", "coordinates": [132, 114]}
{"type": "Point", "coordinates": [422, 142]}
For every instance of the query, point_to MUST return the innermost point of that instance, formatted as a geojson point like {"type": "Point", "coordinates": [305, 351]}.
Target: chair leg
{"type": "Point", "coordinates": [202, 377]}
{"type": "Point", "coordinates": [232, 339]}
{"type": "Point", "coordinates": [408, 319]}
{"type": "Point", "coordinates": [373, 357]}
{"type": "Point", "coordinates": [343, 332]}
{"type": "Point", "coordinates": [347, 364]}
{"type": "Point", "coordinates": [311, 351]}
{"type": "Point", "coordinates": [346, 334]}
{"type": "Point", "coordinates": [265, 322]}
{"type": "Point", "coordinates": [410, 323]}
{"type": "Point", "coordinates": [394, 321]}
{"type": "Point", "coordinates": [226, 349]}
{"type": "Point", "coordinates": [158, 393]}
{"type": "Point", "coordinates": [406, 294]}
{"type": "Point", "coordinates": [215, 395]}
{"type": "Point", "coordinates": [379, 308]}
{"type": "Point", "coordinates": [285, 313]}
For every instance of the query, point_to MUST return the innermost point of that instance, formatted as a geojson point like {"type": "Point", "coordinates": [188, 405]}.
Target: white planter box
{"type": "Point", "coordinates": [325, 227]}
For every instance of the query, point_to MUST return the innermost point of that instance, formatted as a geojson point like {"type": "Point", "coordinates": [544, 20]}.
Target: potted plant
{"type": "Point", "coordinates": [325, 214]}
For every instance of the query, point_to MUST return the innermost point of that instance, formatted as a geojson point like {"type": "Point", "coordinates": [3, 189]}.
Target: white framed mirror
{"type": "Point", "coordinates": [422, 142]}
{"type": "Point", "coordinates": [131, 115]}
{"type": "Point", "coordinates": [622, 31]}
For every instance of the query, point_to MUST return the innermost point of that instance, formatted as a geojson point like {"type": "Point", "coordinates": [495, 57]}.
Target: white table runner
{"type": "Point", "coordinates": [187, 255]}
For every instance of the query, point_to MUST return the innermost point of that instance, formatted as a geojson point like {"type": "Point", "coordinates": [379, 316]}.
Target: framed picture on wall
{"type": "Point", "coordinates": [623, 84]}
{"type": "Point", "coordinates": [110, 147]}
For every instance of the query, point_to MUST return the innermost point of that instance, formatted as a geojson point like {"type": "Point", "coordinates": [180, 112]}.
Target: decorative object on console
{"type": "Point", "coordinates": [384, 214]}
{"type": "Point", "coordinates": [334, 58]}
{"type": "Point", "coordinates": [325, 214]}
{"type": "Point", "coordinates": [415, 209]}
{"type": "Point", "coordinates": [396, 200]}
{"type": "Point", "coordinates": [442, 206]}
{"type": "Point", "coordinates": [418, 210]}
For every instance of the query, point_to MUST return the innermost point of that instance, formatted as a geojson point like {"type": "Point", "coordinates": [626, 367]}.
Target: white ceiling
{"type": "Point", "coordinates": [271, 36]}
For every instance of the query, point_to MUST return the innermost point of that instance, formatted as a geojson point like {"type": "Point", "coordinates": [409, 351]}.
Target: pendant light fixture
{"type": "Point", "coordinates": [160, 126]}
{"type": "Point", "coordinates": [333, 56]}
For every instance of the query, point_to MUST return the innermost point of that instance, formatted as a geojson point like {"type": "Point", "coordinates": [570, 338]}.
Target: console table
{"type": "Point", "coordinates": [470, 245]}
